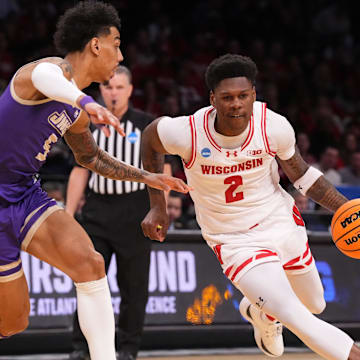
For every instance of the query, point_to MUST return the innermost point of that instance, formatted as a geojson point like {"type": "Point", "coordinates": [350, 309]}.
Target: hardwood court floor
{"type": "Point", "coordinates": [249, 354]}
{"type": "Point", "coordinates": [291, 356]}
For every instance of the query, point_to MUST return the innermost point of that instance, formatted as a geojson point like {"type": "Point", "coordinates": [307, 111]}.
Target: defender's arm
{"type": "Point", "coordinates": [88, 154]}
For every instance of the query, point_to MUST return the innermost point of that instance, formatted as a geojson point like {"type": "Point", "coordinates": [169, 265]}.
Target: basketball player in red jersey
{"type": "Point", "coordinates": [230, 152]}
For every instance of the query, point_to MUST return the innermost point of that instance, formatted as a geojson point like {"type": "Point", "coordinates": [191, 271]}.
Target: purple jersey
{"type": "Point", "coordinates": [27, 131]}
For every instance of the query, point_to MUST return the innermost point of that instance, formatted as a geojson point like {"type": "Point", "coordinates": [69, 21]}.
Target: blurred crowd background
{"type": "Point", "coordinates": [307, 53]}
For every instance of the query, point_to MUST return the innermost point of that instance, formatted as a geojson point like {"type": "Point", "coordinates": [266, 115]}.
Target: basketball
{"type": "Point", "coordinates": [345, 228]}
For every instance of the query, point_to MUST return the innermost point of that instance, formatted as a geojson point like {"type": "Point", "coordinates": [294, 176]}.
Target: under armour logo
{"type": "Point", "coordinates": [260, 302]}
{"type": "Point", "coordinates": [228, 153]}
{"type": "Point", "coordinates": [300, 187]}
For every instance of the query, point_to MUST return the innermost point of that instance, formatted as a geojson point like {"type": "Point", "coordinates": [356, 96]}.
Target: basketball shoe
{"type": "Point", "coordinates": [267, 334]}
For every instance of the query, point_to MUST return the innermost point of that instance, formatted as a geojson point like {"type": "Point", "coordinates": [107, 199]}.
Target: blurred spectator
{"type": "Point", "coordinates": [146, 98]}
{"type": "Point", "coordinates": [329, 126]}
{"type": "Point", "coordinates": [303, 143]}
{"type": "Point", "coordinates": [327, 164]}
{"type": "Point", "coordinates": [348, 147]}
{"type": "Point", "coordinates": [350, 175]}
{"type": "Point", "coordinates": [174, 209]}
{"type": "Point", "coordinates": [171, 106]}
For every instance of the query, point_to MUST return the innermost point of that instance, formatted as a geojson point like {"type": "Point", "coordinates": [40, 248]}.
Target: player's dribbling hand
{"type": "Point", "coordinates": [155, 224]}
{"type": "Point", "coordinates": [101, 117]}
{"type": "Point", "coordinates": [166, 182]}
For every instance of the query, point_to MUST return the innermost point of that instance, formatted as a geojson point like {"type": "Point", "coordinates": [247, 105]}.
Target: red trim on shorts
{"type": "Point", "coordinates": [228, 270]}
{"type": "Point", "coordinates": [265, 254]}
{"type": "Point", "coordinates": [253, 226]}
{"type": "Point", "coordinates": [290, 264]}
{"type": "Point", "coordinates": [217, 251]}
{"type": "Point", "coordinates": [295, 267]}
{"type": "Point", "coordinates": [250, 134]}
{"type": "Point", "coordinates": [190, 163]}
{"type": "Point", "coordinates": [247, 262]}
{"type": "Point", "coordinates": [297, 216]}
{"type": "Point", "coordinates": [263, 130]}
{"type": "Point", "coordinates": [305, 254]}
{"type": "Point", "coordinates": [207, 131]}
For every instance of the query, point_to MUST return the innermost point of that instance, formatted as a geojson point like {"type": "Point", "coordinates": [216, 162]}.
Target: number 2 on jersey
{"type": "Point", "coordinates": [230, 194]}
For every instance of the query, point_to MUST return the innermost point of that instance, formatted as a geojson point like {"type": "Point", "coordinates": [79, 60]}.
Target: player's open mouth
{"type": "Point", "coordinates": [237, 116]}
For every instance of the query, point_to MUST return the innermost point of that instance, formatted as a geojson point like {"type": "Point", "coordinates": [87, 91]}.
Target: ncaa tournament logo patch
{"type": "Point", "coordinates": [133, 137]}
{"type": "Point", "coordinates": [205, 152]}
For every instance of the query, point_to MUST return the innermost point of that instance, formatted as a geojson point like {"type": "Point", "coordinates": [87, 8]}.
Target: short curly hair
{"type": "Point", "coordinates": [229, 66]}
{"type": "Point", "coordinates": [82, 22]}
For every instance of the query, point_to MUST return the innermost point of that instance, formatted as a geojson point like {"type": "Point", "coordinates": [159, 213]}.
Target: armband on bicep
{"type": "Point", "coordinates": [304, 183]}
{"type": "Point", "coordinates": [48, 78]}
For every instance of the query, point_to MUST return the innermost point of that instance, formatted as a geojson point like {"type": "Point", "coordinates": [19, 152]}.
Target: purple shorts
{"type": "Point", "coordinates": [18, 223]}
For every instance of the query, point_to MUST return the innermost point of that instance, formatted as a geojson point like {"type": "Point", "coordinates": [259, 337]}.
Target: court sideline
{"type": "Point", "coordinates": [201, 354]}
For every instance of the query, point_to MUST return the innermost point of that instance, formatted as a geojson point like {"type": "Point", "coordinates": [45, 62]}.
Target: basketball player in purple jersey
{"type": "Point", "coordinates": [43, 102]}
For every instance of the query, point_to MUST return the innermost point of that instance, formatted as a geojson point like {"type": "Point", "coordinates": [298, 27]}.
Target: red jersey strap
{"type": "Point", "coordinates": [263, 130]}
{"type": "Point", "coordinates": [249, 135]}
{"type": "Point", "coordinates": [207, 131]}
{"type": "Point", "coordinates": [190, 163]}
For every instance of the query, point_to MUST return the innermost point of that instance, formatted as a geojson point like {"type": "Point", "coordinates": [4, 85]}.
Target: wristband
{"type": "Point", "coordinates": [304, 183]}
{"type": "Point", "coordinates": [85, 100]}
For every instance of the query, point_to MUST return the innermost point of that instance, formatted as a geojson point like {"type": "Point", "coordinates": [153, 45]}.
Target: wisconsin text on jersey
{"type": "Point", "coordinates": [217, 170]}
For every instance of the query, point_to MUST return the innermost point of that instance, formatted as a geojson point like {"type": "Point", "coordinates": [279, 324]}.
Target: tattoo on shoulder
{"type": "Point", "coordinates": [66, 68]}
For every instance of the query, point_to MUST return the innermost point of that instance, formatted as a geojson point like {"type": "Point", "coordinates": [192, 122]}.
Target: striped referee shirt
{"type": "Point", "coordinates": [126, 149]}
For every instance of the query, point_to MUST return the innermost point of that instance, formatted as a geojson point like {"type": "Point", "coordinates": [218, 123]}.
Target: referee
{"type": "Point", "coordinates": [112, 215]}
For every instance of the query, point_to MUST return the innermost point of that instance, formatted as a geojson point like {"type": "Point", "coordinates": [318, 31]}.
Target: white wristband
{"type": "Point", "coordinates": [49, 79]}
{"type": "Point", "coordinates": [307, 180]}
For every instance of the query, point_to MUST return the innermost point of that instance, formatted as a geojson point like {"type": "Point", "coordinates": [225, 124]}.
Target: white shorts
{"type": "Point", "coordinates": [280, 237]}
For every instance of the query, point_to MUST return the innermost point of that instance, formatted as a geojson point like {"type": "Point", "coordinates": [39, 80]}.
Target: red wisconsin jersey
{"type": "Point", "coordinates": [235, 189]}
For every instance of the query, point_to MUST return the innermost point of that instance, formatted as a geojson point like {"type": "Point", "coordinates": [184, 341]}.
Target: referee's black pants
{"type": "Point", "coordinates": [123, 238]}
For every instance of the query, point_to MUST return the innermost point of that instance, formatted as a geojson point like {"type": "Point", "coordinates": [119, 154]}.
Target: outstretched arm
{"type": "Point", "coordinates": [89, 155]}
{"type": "Point", "coordinates": [321, 191]}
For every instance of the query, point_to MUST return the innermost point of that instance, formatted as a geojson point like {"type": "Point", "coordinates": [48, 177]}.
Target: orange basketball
{"type": "Point", "coordinates": [345, 228]}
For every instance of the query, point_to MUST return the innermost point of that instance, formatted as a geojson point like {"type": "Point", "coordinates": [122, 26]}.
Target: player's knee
{"type": "Point", "coordinates": [317, 305]}
{"type": "Point", "coordinates": [97, 263]}
{"type": "Point", "coordinates": [93, 267]}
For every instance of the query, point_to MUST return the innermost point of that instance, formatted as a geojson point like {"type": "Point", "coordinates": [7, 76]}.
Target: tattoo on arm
{"type": "Point", "coordinates": [89, 155]}
{"type": "Point", "coordinates": [83, 146]}
{"type": "Point", "coordinates": [109, 167]}
{"type": "Point", "coordinates": [66, 68]}
{"type": "Point", "coordinates": [325, 194]}
{"type": "Point", "coordinates": [295, 167]}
